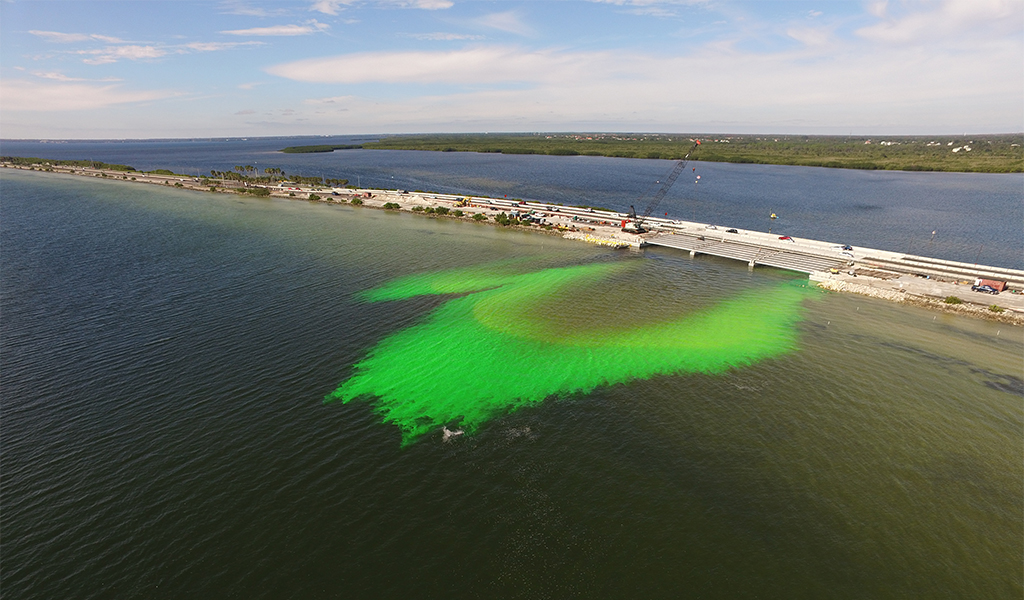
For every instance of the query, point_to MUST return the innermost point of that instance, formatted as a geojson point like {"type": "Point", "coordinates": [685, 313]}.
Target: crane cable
{"type": "Point", "coordinates": [676, 170]}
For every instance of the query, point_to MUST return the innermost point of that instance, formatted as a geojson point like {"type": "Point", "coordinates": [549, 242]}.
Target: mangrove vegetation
{"type": "Point", "coordinates": [995, 153]}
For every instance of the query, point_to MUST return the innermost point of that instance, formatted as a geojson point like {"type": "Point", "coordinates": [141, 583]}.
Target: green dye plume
{"type": "Point", "coordinates": [486, 353]}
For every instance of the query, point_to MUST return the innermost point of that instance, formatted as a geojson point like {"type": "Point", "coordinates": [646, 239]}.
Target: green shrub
{"type": "Point", "coordinates": [357, 201]}
{"type": "Point", "coordinates": [479, 217]}
{"type": "Point", "coordinates": [953, 300]}
{"type": "Point", "coordinates": [314, 197]}
{"type": "Point", "coordinates": [442, 210]}
{"type": "Point", "coordinates": [392, 206]}
{"type": "Point", "coordinates": [177, 184]}
{"type": "Point", "coordinates": [995, 309]}
{"type": "Point", "coordinates": [213, 188]}
{"type": "Point", "coordinates": [291, 194]}
{"type": "Point", "coordinates": [418, 209]}
{"type": "Point", "coordinates": [458, 213]}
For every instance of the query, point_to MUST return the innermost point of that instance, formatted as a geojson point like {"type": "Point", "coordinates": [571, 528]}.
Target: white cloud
{"type": "Point", "coordinates": [217, 46]}
{"type": "Point", "coordinates": [508, 21]}
{"type": "Point", "coordinates": [63, 77]}
{"type": "Point", "coordinates": [126, 51]}
{"type": "Point", "coordinates": [329, 7]}
{"type": "Point", "coordinates": [332, 100]}
{"type": "Point", "coordinates": [112, 54]}
{"type": "Point", "coordinates": [811, 36]}
{"type": "Point", "coordinates": [878, 8]}
{"type": "Point", "coordinates": [237, 7]}
{"type": "Point", "coordinates": [26, 95]}
{"type": "Point", "coordinates": [445, 37]}
{"type": "Point", "coordinates": [938, 22]}
{"type": "Point", "coordinates": [67, 38]}
{"type": "Point", "coordinates": [426, 4]}
{"type": "Point", "coordinates": [934, 65]}
{"type": "Point", "coordinates": [885, 88]}
{"type": "Point", "coordinates": [333, 7]}
{"type": "Point", "coordinates": [470, 66]}
{"type": "Point", "coordinates": [653, 8]}
{"type": "Point", "coordinates": [247, 111]}
{"type": "Point", "coordinates": [643, 3]}
{"type": "Point", "coordinates": [282, 30]}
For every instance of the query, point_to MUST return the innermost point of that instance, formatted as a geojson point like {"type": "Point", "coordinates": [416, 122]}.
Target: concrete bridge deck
{"type": "Point", "coordinates": [751, 253]}
{"type": "Point", "coordinates": [811, 256]}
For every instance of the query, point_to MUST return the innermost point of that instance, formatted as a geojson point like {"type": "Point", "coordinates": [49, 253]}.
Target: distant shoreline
{"type": "Point", "coordinates": [1000, 153]}
{"type": "Point", "coordinates": [595, 226]}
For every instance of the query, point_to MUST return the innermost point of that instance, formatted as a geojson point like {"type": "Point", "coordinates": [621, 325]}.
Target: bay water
{"type": "Point", "coordinates": [171, 428]}
{"type": "Point", "coordinates": [967, 217]}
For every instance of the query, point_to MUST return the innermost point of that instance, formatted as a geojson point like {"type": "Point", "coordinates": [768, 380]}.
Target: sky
{"type": "Point", "coordinates": [173, 69]}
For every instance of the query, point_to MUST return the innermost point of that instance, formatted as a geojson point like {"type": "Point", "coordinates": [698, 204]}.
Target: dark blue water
{"type": "Point", "coordinates": [164, 355]}
{"type": "Point", "coordinates": [975, 217]}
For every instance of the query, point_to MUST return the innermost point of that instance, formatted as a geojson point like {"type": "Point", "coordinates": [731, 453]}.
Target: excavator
{"type": "Point", "coordinates": [635, 224]}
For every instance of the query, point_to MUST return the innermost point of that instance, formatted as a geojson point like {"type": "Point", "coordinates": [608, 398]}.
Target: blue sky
{"type": "Point", "coordinates": [143, 69]}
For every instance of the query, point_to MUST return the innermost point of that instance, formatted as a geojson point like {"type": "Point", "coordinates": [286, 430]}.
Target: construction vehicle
{"type": "Point", "coordinates": [634, 223]}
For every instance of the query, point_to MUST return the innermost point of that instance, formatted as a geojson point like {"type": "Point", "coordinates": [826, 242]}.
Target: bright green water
{"type": "Point", "coordinates": [495, 350]}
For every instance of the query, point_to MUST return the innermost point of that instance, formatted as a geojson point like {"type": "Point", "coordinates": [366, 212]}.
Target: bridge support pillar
{"type": "Point", "coordinates": [750, 265]}
{"type": "Point", "coordinates": [693, 253]}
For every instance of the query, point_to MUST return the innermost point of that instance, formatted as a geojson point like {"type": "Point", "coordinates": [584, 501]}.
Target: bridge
{"type": "Point", "coordinates": [810, 256]}
{"type": "Point", "coordinates": [752, 252]}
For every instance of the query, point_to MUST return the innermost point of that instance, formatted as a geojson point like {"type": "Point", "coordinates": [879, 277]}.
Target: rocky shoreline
{"type": "Point", "coordinates": [902, 296]}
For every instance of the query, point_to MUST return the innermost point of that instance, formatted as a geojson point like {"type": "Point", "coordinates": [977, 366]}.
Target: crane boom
{"type": "Point", "coordinates": [660, 194]}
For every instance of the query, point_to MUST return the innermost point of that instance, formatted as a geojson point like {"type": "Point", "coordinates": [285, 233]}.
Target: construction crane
{"type": "Point", "coordinates": [635, 224]}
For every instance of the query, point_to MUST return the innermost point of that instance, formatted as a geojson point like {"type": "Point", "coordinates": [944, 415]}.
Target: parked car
{"type": "Point", "coordinates": [985, 289]}
{"type": "Point", "coordinates": [731, 231]}
{"type": "Point", "coordinates": [847, 247]}
{"type": "Point", "coordinates": [785, 237]}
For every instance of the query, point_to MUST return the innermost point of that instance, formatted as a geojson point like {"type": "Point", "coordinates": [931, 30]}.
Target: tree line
{"type": "Point", "coordinates": [272, 175]}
